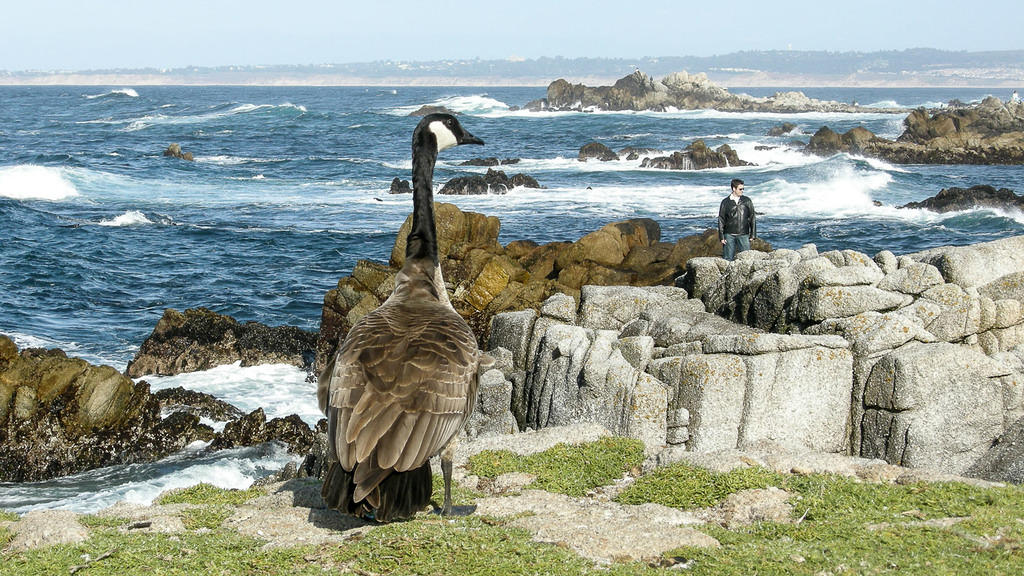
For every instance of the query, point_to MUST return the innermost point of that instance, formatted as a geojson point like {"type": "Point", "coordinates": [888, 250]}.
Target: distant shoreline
{"type": "Point", "coordinates": [760, 80]}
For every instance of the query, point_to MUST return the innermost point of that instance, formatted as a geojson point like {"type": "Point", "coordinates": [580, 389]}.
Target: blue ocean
{"type": "Point", "coordinates": [99, 232]}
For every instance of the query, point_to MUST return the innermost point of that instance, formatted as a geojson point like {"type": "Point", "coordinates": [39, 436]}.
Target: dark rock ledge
{"type": "Point", "coordinates": [199, 339]}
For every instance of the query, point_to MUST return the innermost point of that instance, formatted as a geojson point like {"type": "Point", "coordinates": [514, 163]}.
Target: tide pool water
{"type": "Point", "coordinates": [99, 232]}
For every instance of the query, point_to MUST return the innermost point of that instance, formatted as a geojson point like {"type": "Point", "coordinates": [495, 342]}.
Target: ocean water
{"type": "Point", "coordinates": [99, 232]}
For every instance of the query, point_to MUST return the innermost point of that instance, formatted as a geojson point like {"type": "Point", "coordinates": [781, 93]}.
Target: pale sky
{"type": "Point", "coordinates": [77, 35]}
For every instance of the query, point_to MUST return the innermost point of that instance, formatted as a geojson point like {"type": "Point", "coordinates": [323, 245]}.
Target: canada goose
{"type": "Point", "coordinates": [404, 380]}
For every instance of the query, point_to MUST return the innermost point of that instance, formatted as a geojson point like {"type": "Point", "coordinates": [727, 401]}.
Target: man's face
{"type": "Point", "coordinates": [738, 190]}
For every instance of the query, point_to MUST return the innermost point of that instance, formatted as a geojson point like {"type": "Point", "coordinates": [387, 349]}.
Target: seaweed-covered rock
{"type": "Point", "coordinates": [253, 428]}
{"type": "Point", "coordinates": [494, 182]}
{"type": "Point", "coordinates": [61, 415]}
{"type": "Point", "coordinates": [199, 339]}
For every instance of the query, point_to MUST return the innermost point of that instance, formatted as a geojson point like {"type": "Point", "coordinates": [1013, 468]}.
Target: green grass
{"type": "Point", "coordinates": [209, 505]}
{"type": "Point", "coordinates": [686, 486]}
{"type": "Point", "coordinates": [94, 521]}
{"type": "Point", "coordinates": [473, 545]}
{"type": "Point", "coordinates": [207, 494]}
{"type": "Point", "coordinates": [842, 526]}
{"type": "Point", "coordinates": [189, 553]}
{"type": "Point", "coordinates": [839, 526]}
{"type": "Point", "coordinates": [571, 469]}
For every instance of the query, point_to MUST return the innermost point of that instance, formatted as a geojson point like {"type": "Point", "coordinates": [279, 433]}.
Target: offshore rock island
{"type": "Point", "coordinates": [680, 91]}
{"type": "Point", "coordinates": [990, 132]}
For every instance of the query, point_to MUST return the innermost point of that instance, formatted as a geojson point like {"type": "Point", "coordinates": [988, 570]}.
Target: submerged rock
{"type": "Point", "coordinates": [174, 151]}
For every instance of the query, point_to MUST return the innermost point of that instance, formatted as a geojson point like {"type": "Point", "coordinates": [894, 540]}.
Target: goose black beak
{"type": "Point", "coordinates": [468, 138]}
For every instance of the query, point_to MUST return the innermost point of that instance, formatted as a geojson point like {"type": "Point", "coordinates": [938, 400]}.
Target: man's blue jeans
{"type": "Point", "coordinates": [734, 244]}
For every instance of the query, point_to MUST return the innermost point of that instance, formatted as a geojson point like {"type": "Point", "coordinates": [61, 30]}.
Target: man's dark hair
{"type": "Point", "coordinates": [736, 182]}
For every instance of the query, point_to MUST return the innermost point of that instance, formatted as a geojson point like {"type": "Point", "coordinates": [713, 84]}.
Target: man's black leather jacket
{"type": "Point", "coordinates": [736, 218]}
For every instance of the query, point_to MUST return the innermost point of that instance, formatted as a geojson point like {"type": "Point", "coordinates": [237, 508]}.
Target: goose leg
{"type": "Point", "coordinates": [447, 456]}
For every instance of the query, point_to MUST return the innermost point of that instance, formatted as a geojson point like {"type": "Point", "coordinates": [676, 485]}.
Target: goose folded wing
{"type": "Point", "coordinates": [402, 390]}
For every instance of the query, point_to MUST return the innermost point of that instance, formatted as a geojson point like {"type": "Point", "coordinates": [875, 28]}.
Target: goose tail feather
{"type": "Point", "coordinates": [399, 497]}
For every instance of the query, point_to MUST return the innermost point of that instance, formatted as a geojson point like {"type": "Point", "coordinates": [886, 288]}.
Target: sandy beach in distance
{"type": "Point", "coordinates": [1012, 79]}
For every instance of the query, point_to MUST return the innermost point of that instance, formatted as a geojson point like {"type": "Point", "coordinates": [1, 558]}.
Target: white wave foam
{"type": "Point", "coordinates": [672, 201]}
{"type": "Point", "coordinates": [477, 105]}
{"type": "Point", "coordinates": [842, 192]}
{"type": "Point", "coordinates": [129, 92]}
{"type": "Point", "coordinates": [129, 218]}
{"type": "Point", "coordinates": [30, 182]}
{"type": "Point", "coordinates": [884, 104]}
{"type": "Point", "coordinates": [879, 164]}
{"type": "Point", "coordinates": [246, 108]}
{"type": "Point", "coordinates": [280, 389]}
{"type": "Point", "coordinates": [771, 158]}
{"type": "Point", "coordinates": [225, 160]}
{"type": "Point", "coordinates": [71, 348]}
{"type": "Point", "coordinates": [163, 119]}
{"type": "Point", "coordinates": [95, 490]}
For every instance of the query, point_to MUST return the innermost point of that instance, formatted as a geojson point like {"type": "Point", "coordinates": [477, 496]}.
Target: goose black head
{"type": "Point", "coordinates": [446, 130]}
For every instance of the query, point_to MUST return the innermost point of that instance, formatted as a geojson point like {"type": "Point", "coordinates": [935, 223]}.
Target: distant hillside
{"type": "Point", "coordinates": [916, 67]}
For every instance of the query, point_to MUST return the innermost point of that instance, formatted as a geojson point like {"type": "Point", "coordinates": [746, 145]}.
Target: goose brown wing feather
{"type": "Point", "coordinates": [403, 384]}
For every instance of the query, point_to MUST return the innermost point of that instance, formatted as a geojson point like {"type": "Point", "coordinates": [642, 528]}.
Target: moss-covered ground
{"type": "Point", "coordinates": [839, 526]}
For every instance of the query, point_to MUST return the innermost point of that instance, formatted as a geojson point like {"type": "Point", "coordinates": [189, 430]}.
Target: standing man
{"type": "Point", "coordinates": [736, 226]}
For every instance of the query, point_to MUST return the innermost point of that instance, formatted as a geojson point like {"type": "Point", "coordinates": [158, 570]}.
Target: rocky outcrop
{"type": "Point", "coordinates": [199, 339]}
{"type": "Point", "coordinates": [201, 404]}
{"type": "Point", "coordinates": [782, 129]}
{"type": "Point", "coordinates": [681, 91]}
{"type": "Point", "coordinates": [174, 151]}
{"type": "Point", "coordinates": [597, 151]}
{"type": "Point", "coordinates": [858, 140]}
{"type": "Point", "coordinates": [954, 199]}
{"type": "Point", "coordinates": [652, 364]}
{"type": "Point", "coordinates": [697, 156]}
{"type": "Point", "coordinates": [399, 186]}
{"type": "Point", "coordinates": [486, 278]}
{"type": "Point", "coordinates": [428, 109]}
{"type": "Point", "coordinates": [253, 428]}
{"type": "Point", "coordinates": [61, 416]}
{"type": "Point", "coordinates": [494, 182]}
{"type": "Point", "coordinates": [991, 132]}
{"type": "Point", "coordinates": [917, 360]}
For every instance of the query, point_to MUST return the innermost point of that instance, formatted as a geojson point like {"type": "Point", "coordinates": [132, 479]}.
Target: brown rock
{"type": "Point", "coordinates": [61, 415]}
{"type": "Point", "coordinates": [485, 278]}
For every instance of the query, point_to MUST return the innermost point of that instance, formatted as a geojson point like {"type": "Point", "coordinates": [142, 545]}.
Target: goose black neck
{"type": "Point", "coordinates": [422, 240]}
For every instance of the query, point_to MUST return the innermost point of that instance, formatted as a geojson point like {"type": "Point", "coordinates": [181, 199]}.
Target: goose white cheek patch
{"type": "Point", "coordinates": [445, 138]}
